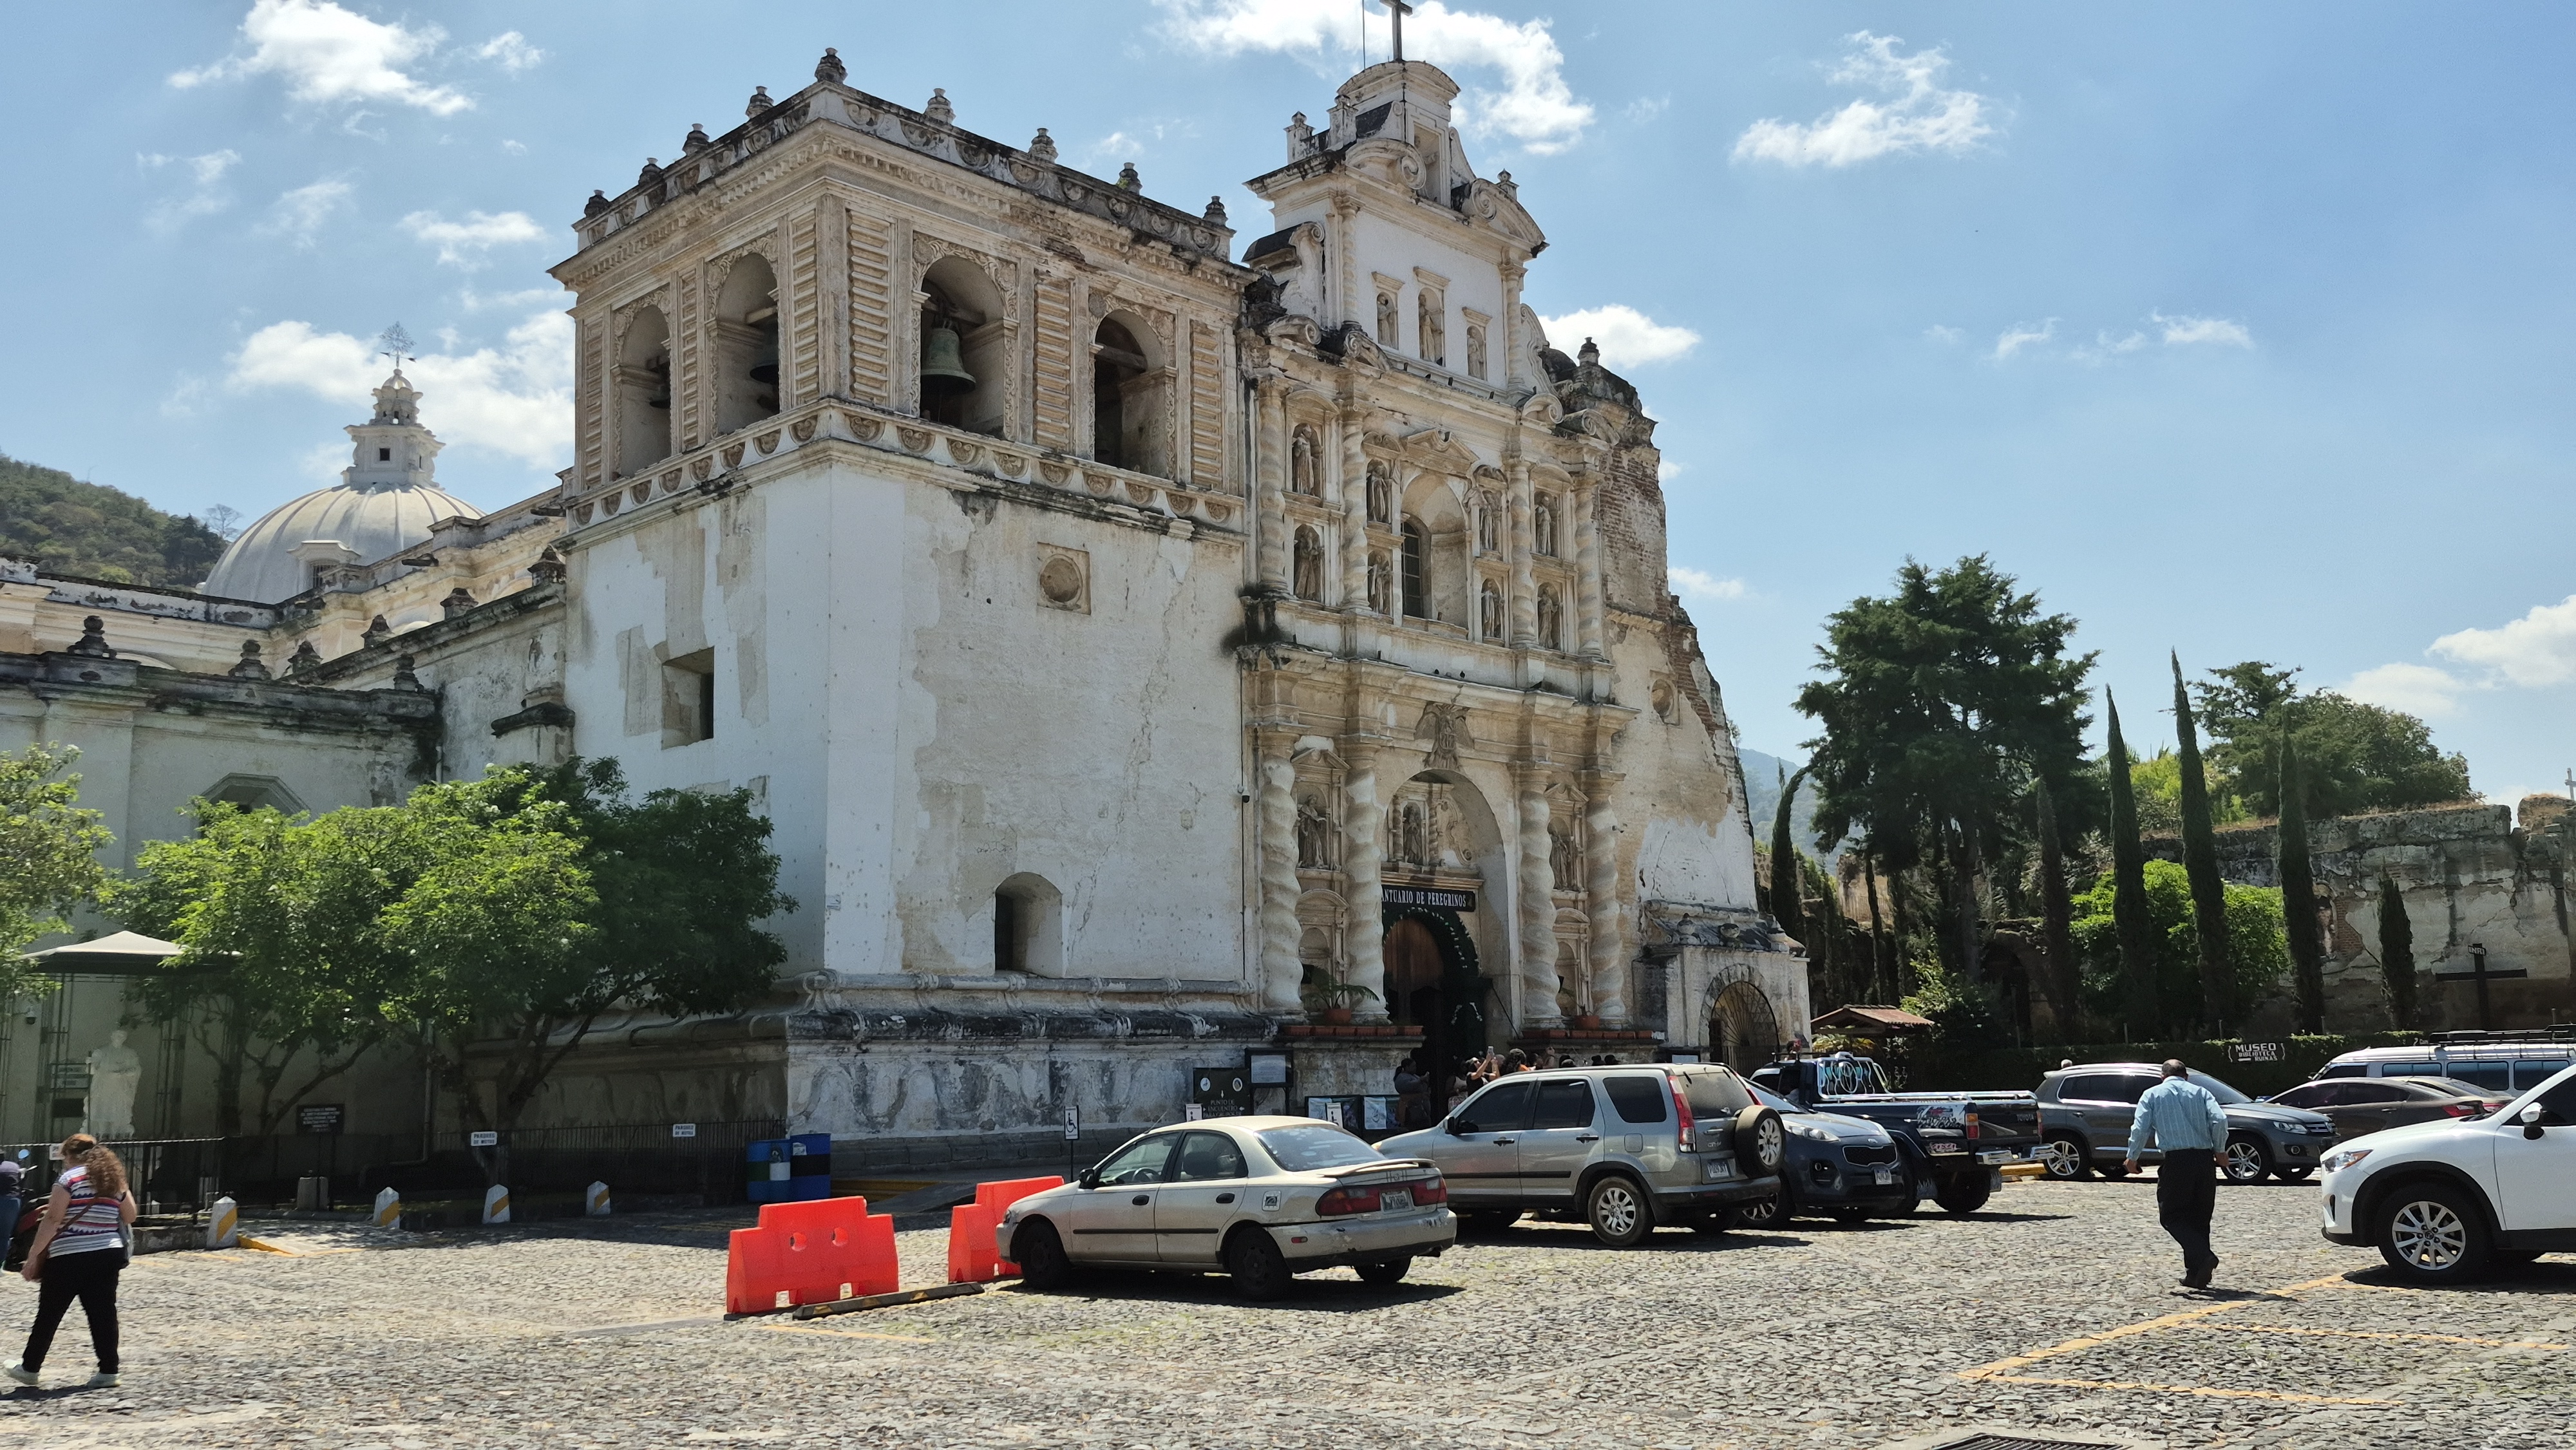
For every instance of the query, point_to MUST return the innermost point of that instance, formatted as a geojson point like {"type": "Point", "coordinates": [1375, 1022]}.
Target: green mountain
{"type": "Point", "coordinates": [97, 532]}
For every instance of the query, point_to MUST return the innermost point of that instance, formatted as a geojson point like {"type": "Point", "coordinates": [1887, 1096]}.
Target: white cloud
{"type": "Point", "coordinates": [2537, 649]}
{"type": "Point", "coordinates": [2185, 331]}
{"type": "Point", "coordinates": [515, 399]}
{"type": "Point", "coordinates": [300, 214]}
{"type": "Point", "coordinates": [1939, 333]}
{"type": "Point", "coordinates": [328, 55]}
{"type": "Point", "coordinates": [1627, 338]}
{"type": "Point", "coordinates": [515, 148]}
{"type": "Point", "coordinates": [510, 51]}
{"type": "Point", "coordinates": [462, 244]}
{"type": "Point", "coordinates": [2415, 689]}
{"type": "Point", "coordinates": [1700, 584]}
{"type": "Point", "coordinates": [2021, 335]}
{"type": "Point", "coordinates": [1534, 105]}
{"type": "Point", "coordinates": [1646, 108]}
{"type": "Point", "coordinates": [1921, 116]}
{"type": "Point", "coordinates": [205, 194]}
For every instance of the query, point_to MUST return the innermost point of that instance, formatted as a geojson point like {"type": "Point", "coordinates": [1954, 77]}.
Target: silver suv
{"type": "Point", "coordinates": [1628, 1147]}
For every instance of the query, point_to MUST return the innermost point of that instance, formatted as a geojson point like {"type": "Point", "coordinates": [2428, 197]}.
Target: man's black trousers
{"type": "Point", "coordinates": [2186, 1194]}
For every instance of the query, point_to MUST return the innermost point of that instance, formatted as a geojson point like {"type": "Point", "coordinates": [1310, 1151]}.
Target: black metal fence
{"type": "Point", "coordinates": [634, 1159]}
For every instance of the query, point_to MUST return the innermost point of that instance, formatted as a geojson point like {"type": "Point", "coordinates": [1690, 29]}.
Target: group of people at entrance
{"type": "Point", "coordinates": [81, 1245]}
{"type": "Point", "coordinates": [1425, 1093]}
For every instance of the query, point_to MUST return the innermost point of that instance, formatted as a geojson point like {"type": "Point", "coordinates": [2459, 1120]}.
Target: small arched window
{"type": "Point", "coordinates": [1489, 611]}
{"type": "Point", "coordinates": [1551, 618]}
{"type": "Point", "coordinates": [1543, 525]}
{"type": "Point", "coordinates": [746, 345]}
{"type": "Point", "coordinates": [1306, 573]}
{"type": "Point", "coordinates": [1417, 570]}
{"type": "Point", "coordinates": [1304, 473]}
{"type": "Point", "coordinates": [1028, 926]}
{"type": "Point", "coordinates": [1379, 580]}
{"type": "Point", "coordinates": [643, 393]}
{"type": "Point", "coordinates": [1128, 403]}
{"type": "Point", "coordinates": [1381, 495]}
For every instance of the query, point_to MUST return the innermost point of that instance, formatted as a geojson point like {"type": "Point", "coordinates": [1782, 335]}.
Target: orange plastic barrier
{"type": "Point", "coordinates": [811, 1253]}
{"type": "Point", "coordinates": [973, 1258]}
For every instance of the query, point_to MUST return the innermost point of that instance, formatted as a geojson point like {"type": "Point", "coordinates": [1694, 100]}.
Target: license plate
{"type": "Point", "coordinates": [1886, 1176]}
{"type": "Point", "coordinates": [1939, 1148]}
{"type": "Point", "coordinates": [1395, 1199]}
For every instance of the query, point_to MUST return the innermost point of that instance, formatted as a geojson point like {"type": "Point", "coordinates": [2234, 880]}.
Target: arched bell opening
{"type": "Point", "coordinates": [644, 391]}
{"type": "Point", "coordinates": [1130, 396]}
{"type": "Point", "coordinates": [965, 354]}
{"type": "Point", "coordinates": [746, 346]}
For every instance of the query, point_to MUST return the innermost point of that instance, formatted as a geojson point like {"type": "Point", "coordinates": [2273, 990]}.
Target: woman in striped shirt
{"type": "Point", "coordinates": [80, 1248]}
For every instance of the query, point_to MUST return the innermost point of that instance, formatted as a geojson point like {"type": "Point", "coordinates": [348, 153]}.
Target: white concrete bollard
{"type": "Point", "coordinates": [388, 1209]}
{"type": "Point", "coordinates": [595, 1202]}
{"type": "Point", "coordinates": [223, 1224]}
{"type": "Point", "coordinates": [496, 1204]}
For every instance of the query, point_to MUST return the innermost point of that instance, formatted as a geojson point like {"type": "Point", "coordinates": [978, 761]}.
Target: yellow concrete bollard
{"type": "Point", "coordinates": [595, 1202]}
{"type": "Point", "coordinates": [223, 1224]}
{"type": "Point", "coordinates": [388, 1209]}
{"type": "Point", "coordinates": [496, 1204]}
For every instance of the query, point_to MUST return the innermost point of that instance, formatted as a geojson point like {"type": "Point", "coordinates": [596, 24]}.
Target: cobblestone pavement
{"type": "Point", "coordinates": [2055, 1311]}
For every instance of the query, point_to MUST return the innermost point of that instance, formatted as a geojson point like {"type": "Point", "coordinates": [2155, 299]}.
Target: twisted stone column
{"type": "Point", "coordinates": [1277, 824]}
{"type": "Point", "coordinates": [1587, 572]}
{"type": "Point", "coordinates": [1354, 511]}
{"type": "Point", "coordinates": [1364, 937]}
{"type": "Point", "coordinates": [1537, 878]}
{"type": "Point", "coordinates": [1601, 904]}
{"type": "Point", "coordinates": [1272, 558]}
{"type": "Point", "coordinates": [1524, 579]}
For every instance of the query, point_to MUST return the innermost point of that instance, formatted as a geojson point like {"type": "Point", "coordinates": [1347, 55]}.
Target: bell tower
{"type": "Point", "coordinates": [392, 449]}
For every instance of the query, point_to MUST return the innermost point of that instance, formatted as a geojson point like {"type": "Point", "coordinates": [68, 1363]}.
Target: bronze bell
{"type": "Point", "coordinates": [942, 368]}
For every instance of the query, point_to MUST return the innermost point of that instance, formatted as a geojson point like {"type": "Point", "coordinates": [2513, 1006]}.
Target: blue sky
{"type": "Point", "coordinates": [2239, 330]}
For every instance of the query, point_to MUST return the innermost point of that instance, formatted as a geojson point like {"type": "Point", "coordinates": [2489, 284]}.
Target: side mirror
{"type": "Point", "coordinates": [1458, 1127]}
{"type": "Point", "coordinates": [2530, 1118]}
{"type": "Point", "coordinates": [1090, 1177]}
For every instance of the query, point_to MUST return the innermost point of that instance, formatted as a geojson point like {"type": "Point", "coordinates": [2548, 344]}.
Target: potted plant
{"type": "Point", "coordinates": [1587, 1021]}
{"type": "Point", "coordinates": [1339, 998]}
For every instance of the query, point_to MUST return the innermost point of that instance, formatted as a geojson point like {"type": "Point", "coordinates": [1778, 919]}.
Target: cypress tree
{"type": "Point", "coordinates": [2396, 953]}
{"type": "Point", "coordinates": [1784, 863]}
{"type": "Point", "coordinates": [2129, 918]}
{"type": "Point", "coordinates": [1882, 975]}
{"type": "Point", "coordinates": [2200, 863]}
{"type": "Point", "coordinates": [2299, 893]}
{"type": "Point", "coordinates": [2057, 915]}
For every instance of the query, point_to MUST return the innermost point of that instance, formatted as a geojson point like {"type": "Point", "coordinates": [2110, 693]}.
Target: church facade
{"type": "Point", "coordinates": [1148, 653]}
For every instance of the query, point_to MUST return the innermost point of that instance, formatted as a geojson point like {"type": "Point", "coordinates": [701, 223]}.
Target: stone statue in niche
{"type": "Point", "coordinates": [1302, 475]}
{"type": "Point", "coordinates": [1314, 836]}
{"type": "Point", "coordinates": [1489, 523]}
{"type": "Point", "coordinates": [115, 1071]}
{"type": "Point", "coordinates": [1306, 575]}
{"type": "Point", "coordinates": [1381, 495]}
{"type": "Point", "coordinates": [1412, 835]}
{"type": "Point", "coordinates": [1490, 612]}
{"type": "Point", "coordinates": [1431, 333]}
{"type": "Point", "coordinates": [1543, 525]}
{"type": "Point", "coordinates": [1379, 582]}
{"type": "Point", "coordinates": [1386, 320]}
{"type": "Point", "coordinates": [1475, 351]}
{"type": "Point", "coordinates": [1562, 862]}
{"type": "Point", "coordinates": [1551, 619]}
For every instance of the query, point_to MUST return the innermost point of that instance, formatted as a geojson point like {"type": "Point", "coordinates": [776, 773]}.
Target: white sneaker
{"type": "Point", "coordinates": [18, 1371]}
{"type": "Point", "coordinates": [103, 1380]}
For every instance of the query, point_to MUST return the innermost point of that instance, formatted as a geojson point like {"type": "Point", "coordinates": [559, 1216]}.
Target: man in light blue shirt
{"type": "Point", "coordinates": [2184, 1119]}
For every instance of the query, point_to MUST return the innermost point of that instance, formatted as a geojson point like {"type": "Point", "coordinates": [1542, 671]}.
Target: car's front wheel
{"type": "Point", "coordinates": [1040, 1255]}
{"type": "Point", "coordinates": [1255, 1264]}
{"type": "Point", "coordinates": [1618, 1211]}
{"type": "Point", "coordinates": [2246, 1159]}
{"type": "Point", "coordinates": [2066, 1157]}
{"type": "Point", "coordinates": [1963, 1192]}
{"type": "Point", "coordinates": [1387, 1271]}
{"type": "Point", "coordinates": [2432, 1234]}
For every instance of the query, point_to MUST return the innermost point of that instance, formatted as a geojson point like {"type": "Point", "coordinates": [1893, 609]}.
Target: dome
{"type": "Point", "coordinates": [384, 503]}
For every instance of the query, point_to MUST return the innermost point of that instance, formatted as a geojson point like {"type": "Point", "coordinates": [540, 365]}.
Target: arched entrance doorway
{"type": "Point", "coordinates": [1432, 982]}
{"type": "Point", "coordinates": [1742, 1029]}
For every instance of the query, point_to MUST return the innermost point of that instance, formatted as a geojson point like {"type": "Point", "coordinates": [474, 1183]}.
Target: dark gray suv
{"type": "Point", "coordinates": [1626, 1147]}
{"type": "Point", "coordinates": [2085, 1112]}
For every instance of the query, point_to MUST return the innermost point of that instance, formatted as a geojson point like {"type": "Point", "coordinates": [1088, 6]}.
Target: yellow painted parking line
{"type": "Point", "coordinates": [2393, 1334]}
{"type": "Point", "coordinates": [848, 1333]}
{"type": "Point", "coordinates": [1997, 1368]}
{"type": "Point", "coordinates": [2209, 1391]}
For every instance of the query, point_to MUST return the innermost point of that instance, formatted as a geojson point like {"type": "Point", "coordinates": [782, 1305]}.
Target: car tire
{"type": "Point", "coordinates": [2068, 1159]}
{"type": "Point", "coordinates": [1255, 1264]}
{"type": "Point", "coordinates": [1714, 1222]}
{"type": "Point", "coordinates": [1485, 1223]}
{"type": "Point", "coordinates": [2430, 1233]}
{"type": "Point", "coordinates": [2515, 1257]}
{"type": "Point", "coordinates": [1618, 1211]}
{"type": "Point", "coordinates": [2116, 1168]}
{"type": "Point", "coordinates": [2292, 1175]}
{"type": "Point", "coordinates": [2245, 1159]}
{"type": "Point", "coordinates": [1761, 1141]}
{"type": "Point", "coordinates": [1770, 1212]}
{"type": "Point", "coordinates": [1040, 1254]}
{"type": "Point", "coordinates": [1963, 1192]}
{"type": "Point", "coordinates": [1386, 1271]}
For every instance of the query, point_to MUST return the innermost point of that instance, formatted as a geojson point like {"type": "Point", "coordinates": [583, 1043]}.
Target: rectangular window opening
{"type": "Point", "coordinates": [689, 698]}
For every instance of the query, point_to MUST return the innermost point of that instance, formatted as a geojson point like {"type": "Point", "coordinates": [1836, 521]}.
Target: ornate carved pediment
{"type": "Point", "coordinates": [1497, 205]}
{"type": "Point", "coordinates": [1437, 448]}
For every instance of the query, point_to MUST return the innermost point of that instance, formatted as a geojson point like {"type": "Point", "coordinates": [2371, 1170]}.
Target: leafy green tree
{"type": "Point", "coordinates": [2143, 1002]}
{"type": "Point", "coordinates": [98, 532]}
{"type": "Point", "coordinates": [2396, 953]}
{"type": "Point", "coordinates": [2299, 892]}
{"type": "Point", "coordinates": [2200, 860]}
{"type": "Point", "coordinates": [49, 850]}
{"type": "Point", "coordinates": [1941, 702]}
{"type": "Point", "coordinates": [1785, 857]}
{"type": "Point", "coordinates": [2256, 951]}
{"type": "Point", "coordinates": [2355, 757]}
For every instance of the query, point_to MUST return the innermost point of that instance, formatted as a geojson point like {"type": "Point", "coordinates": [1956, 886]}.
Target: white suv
{"type": "Point", "coordinates": [2444, 1199]}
